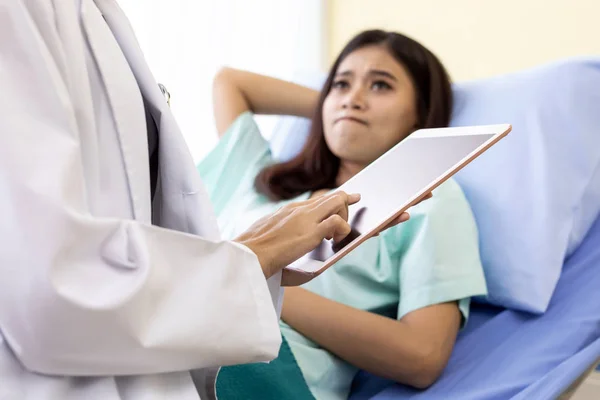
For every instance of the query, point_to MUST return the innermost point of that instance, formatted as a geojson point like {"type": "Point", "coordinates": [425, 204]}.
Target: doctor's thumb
{"type": "Point", "coordinates": [334, 227]}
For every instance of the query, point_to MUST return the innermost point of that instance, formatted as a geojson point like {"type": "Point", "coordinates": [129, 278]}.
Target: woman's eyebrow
{"type": "Point", "coordinates": [380, 72]}
{"type": "Point", "coordinates": [345, 73]}
{"type": "Point", "coordinates": [376, 72]}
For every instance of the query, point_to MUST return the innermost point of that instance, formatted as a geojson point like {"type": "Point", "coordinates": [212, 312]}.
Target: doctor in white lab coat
{"type": "Point", "coordinates": [114, 283]}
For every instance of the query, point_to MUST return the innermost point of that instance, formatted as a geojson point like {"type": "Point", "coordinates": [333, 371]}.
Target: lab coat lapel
{"type": "Point", "coordinates": [182, 202]}
{"type": "Point", "coordinates": [123, 32]}
{"type": "Point", "coordinates": [126, 105]}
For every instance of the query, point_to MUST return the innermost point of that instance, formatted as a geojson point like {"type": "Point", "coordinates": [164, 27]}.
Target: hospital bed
{"type": "Point", "coordinates": [504, 354]}
{"type": "Point", "coordinates": [511, 352]}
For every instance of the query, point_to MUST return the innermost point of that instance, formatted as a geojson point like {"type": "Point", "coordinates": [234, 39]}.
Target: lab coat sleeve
{"type": "Point", "coordinates": [81, 295]}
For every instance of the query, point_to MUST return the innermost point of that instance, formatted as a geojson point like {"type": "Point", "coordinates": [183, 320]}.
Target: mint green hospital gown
{"type": "Point", "coordinates": [433, 258]}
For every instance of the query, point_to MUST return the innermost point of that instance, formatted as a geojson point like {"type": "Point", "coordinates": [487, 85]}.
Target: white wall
{"type": "Point", "coordinates": [477, 38]}
{"type": "Point", "coordinates": [187, 41]}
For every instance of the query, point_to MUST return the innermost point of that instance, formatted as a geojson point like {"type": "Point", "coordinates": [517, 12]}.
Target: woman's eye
{"type": "Point", "coordinates": [341, 84]}
{"type": "Point", "coordinates": [381, 85]}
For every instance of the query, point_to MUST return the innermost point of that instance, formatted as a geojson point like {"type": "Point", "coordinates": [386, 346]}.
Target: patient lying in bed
{"type": "Point", "coordinates": [393, 306]}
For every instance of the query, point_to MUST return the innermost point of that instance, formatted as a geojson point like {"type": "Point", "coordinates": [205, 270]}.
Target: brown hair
{"type": "Point", "coordinates": [316, 167]}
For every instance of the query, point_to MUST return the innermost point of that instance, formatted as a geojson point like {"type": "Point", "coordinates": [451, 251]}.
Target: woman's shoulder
{"type": "Point", "coordinates": [229, 169]}
{"type": "Point", "coordinates": [243, 124]}
{"type": "Point", "coordinates": [242, 143]}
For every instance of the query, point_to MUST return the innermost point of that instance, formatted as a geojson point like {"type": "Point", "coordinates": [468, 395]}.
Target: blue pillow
{"type": "Point", "coordinates": [536, 193]}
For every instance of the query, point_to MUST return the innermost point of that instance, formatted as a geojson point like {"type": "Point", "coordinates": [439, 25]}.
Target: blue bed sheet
{"type": "Point", "coordinates": [505, 354]}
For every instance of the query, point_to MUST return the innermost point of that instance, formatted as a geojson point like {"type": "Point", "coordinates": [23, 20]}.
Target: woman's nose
{"type": "Point", "coordinates": [355, 106]}
{"type": "Point", "coordinates": [354, 100]}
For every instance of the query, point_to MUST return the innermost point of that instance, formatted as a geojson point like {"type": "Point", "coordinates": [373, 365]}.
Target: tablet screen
{"type": "Point", "coordinates": [395, 179]}
{"type": "Point", "coordinates": [401, 176]}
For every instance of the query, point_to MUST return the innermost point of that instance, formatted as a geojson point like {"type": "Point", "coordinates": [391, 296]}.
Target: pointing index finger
{"type": "Point", "coordinates": [335, 203]}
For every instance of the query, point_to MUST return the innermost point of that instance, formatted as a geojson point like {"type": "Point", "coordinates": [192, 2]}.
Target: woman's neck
{"type": "Point", "coordinates": [347, 170]}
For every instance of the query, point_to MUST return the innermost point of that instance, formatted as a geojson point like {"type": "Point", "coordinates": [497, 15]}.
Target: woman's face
{"type": "Point", "coordinates": [371, 106]}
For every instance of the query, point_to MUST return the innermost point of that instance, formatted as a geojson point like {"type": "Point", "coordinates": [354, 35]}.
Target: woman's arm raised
{"type": "Point", "coordinates": [236, 91]}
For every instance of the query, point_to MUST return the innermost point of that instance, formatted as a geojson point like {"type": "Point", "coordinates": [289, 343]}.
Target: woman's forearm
{"type": "Point", "coordinates": [267, 95]}
{"type": "Point", "coordinates": [235, 91]}
{"type": "Point", "coordinates": [382, 346]}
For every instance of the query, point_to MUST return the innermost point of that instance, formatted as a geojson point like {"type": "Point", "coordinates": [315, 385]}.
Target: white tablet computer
{"type": "Point", "coordinates": [399, 179]}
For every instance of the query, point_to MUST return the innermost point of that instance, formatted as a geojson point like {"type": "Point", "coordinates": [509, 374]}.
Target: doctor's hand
{"type": "Point", "coordinates": [298, 228]}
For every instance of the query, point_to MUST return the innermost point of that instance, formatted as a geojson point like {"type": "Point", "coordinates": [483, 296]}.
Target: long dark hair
{"type": "Point", "coordinates": [316, 167]}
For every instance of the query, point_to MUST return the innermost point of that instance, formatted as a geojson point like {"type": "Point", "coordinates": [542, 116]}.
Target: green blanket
{"type": "Point", "coordinates": [279, 379]}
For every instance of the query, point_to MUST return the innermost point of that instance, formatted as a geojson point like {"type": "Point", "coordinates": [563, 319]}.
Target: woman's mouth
{"type": "Point", "coordinates": [353, 119]}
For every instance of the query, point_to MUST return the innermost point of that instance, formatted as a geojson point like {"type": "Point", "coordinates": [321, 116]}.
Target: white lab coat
{"type": "Point", "coordinates": [89, 288]}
